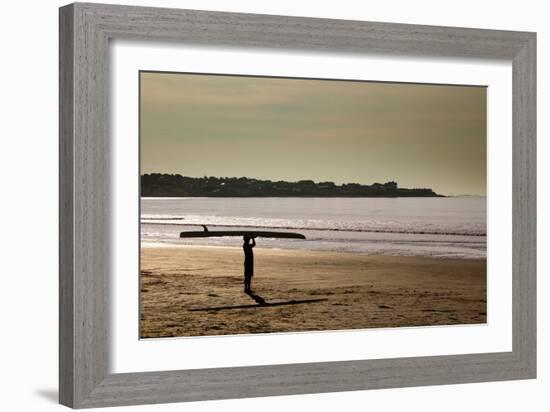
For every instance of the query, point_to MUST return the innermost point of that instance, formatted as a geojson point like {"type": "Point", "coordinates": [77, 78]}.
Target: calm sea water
{"type": "Point", "coordinates": [440, 227]}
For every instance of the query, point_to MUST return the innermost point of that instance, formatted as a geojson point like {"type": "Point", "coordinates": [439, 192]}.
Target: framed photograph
{"type": "Point", "coordinates": [257, 205]}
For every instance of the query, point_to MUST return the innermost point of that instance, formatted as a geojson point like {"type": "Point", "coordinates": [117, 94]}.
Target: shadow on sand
{"type": "Point", "coordinates": [260, 303]}
{"type": "Point", "coordinates": [259, 300]}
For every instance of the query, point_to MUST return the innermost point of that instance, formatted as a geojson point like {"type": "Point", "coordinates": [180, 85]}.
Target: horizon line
{"type": "Point", "coordinates": [317, 182]}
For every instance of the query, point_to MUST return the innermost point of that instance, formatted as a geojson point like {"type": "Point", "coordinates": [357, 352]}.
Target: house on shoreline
{"type": "Point", "coordinates": [175, 185]}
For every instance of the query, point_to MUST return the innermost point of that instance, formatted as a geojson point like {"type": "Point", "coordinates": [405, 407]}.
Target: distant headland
{"type": "Point", "coordinates": [175, 185]}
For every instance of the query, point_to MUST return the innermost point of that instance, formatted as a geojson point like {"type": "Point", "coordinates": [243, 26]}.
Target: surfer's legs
{"type": "Point", "coordinates": [247, 279]}
{"type": "Point", "coordinates": [248, 273]}
{"type": "Point", "coordinates": [247, 283]}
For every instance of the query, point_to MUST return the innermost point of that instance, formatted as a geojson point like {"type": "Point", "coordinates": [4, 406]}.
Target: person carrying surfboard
{"type": "Point", "coordinates": [247, 245]}
{"type": "Point", "coordinates": [248, 261]}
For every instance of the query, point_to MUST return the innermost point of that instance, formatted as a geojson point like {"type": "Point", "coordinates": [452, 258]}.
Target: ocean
{"type": "Point", "coordinates": [450, 227]}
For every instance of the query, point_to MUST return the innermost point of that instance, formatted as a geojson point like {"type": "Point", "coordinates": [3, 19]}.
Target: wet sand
{"type": "Point", "coordinates": [192, 291]}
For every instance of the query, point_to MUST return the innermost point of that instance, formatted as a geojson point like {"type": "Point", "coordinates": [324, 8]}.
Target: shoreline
{"type": "Point", "coordinates": [191, 291]}
{"type": "Point", "coordinates": [161, 245]}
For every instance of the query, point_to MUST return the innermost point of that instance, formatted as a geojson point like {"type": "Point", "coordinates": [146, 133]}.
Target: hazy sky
{"type": "Point", "coordinates": [292, 129]}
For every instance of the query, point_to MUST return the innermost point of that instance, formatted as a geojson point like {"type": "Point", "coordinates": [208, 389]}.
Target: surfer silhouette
{"type": "Point", "coordinates": [248, 261]}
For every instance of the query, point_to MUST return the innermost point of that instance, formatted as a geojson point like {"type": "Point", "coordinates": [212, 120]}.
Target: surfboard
{"type": "Point", "coordinates": [241, 233]}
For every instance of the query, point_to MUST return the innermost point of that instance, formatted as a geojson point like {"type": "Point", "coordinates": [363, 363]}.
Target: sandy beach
{"type": "Point", "coordinates": [193, 290]}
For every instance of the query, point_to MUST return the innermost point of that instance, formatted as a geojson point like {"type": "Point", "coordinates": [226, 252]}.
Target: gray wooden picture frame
{"type": "Point", "coordinates": [85, 31]}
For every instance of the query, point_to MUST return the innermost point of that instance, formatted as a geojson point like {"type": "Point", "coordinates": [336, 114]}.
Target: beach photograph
{"type": "Point", "coordinates": [280, 205]}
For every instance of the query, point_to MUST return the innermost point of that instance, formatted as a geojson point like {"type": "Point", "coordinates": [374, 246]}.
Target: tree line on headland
{"type": "Point", "coordinates": [175, 185]}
